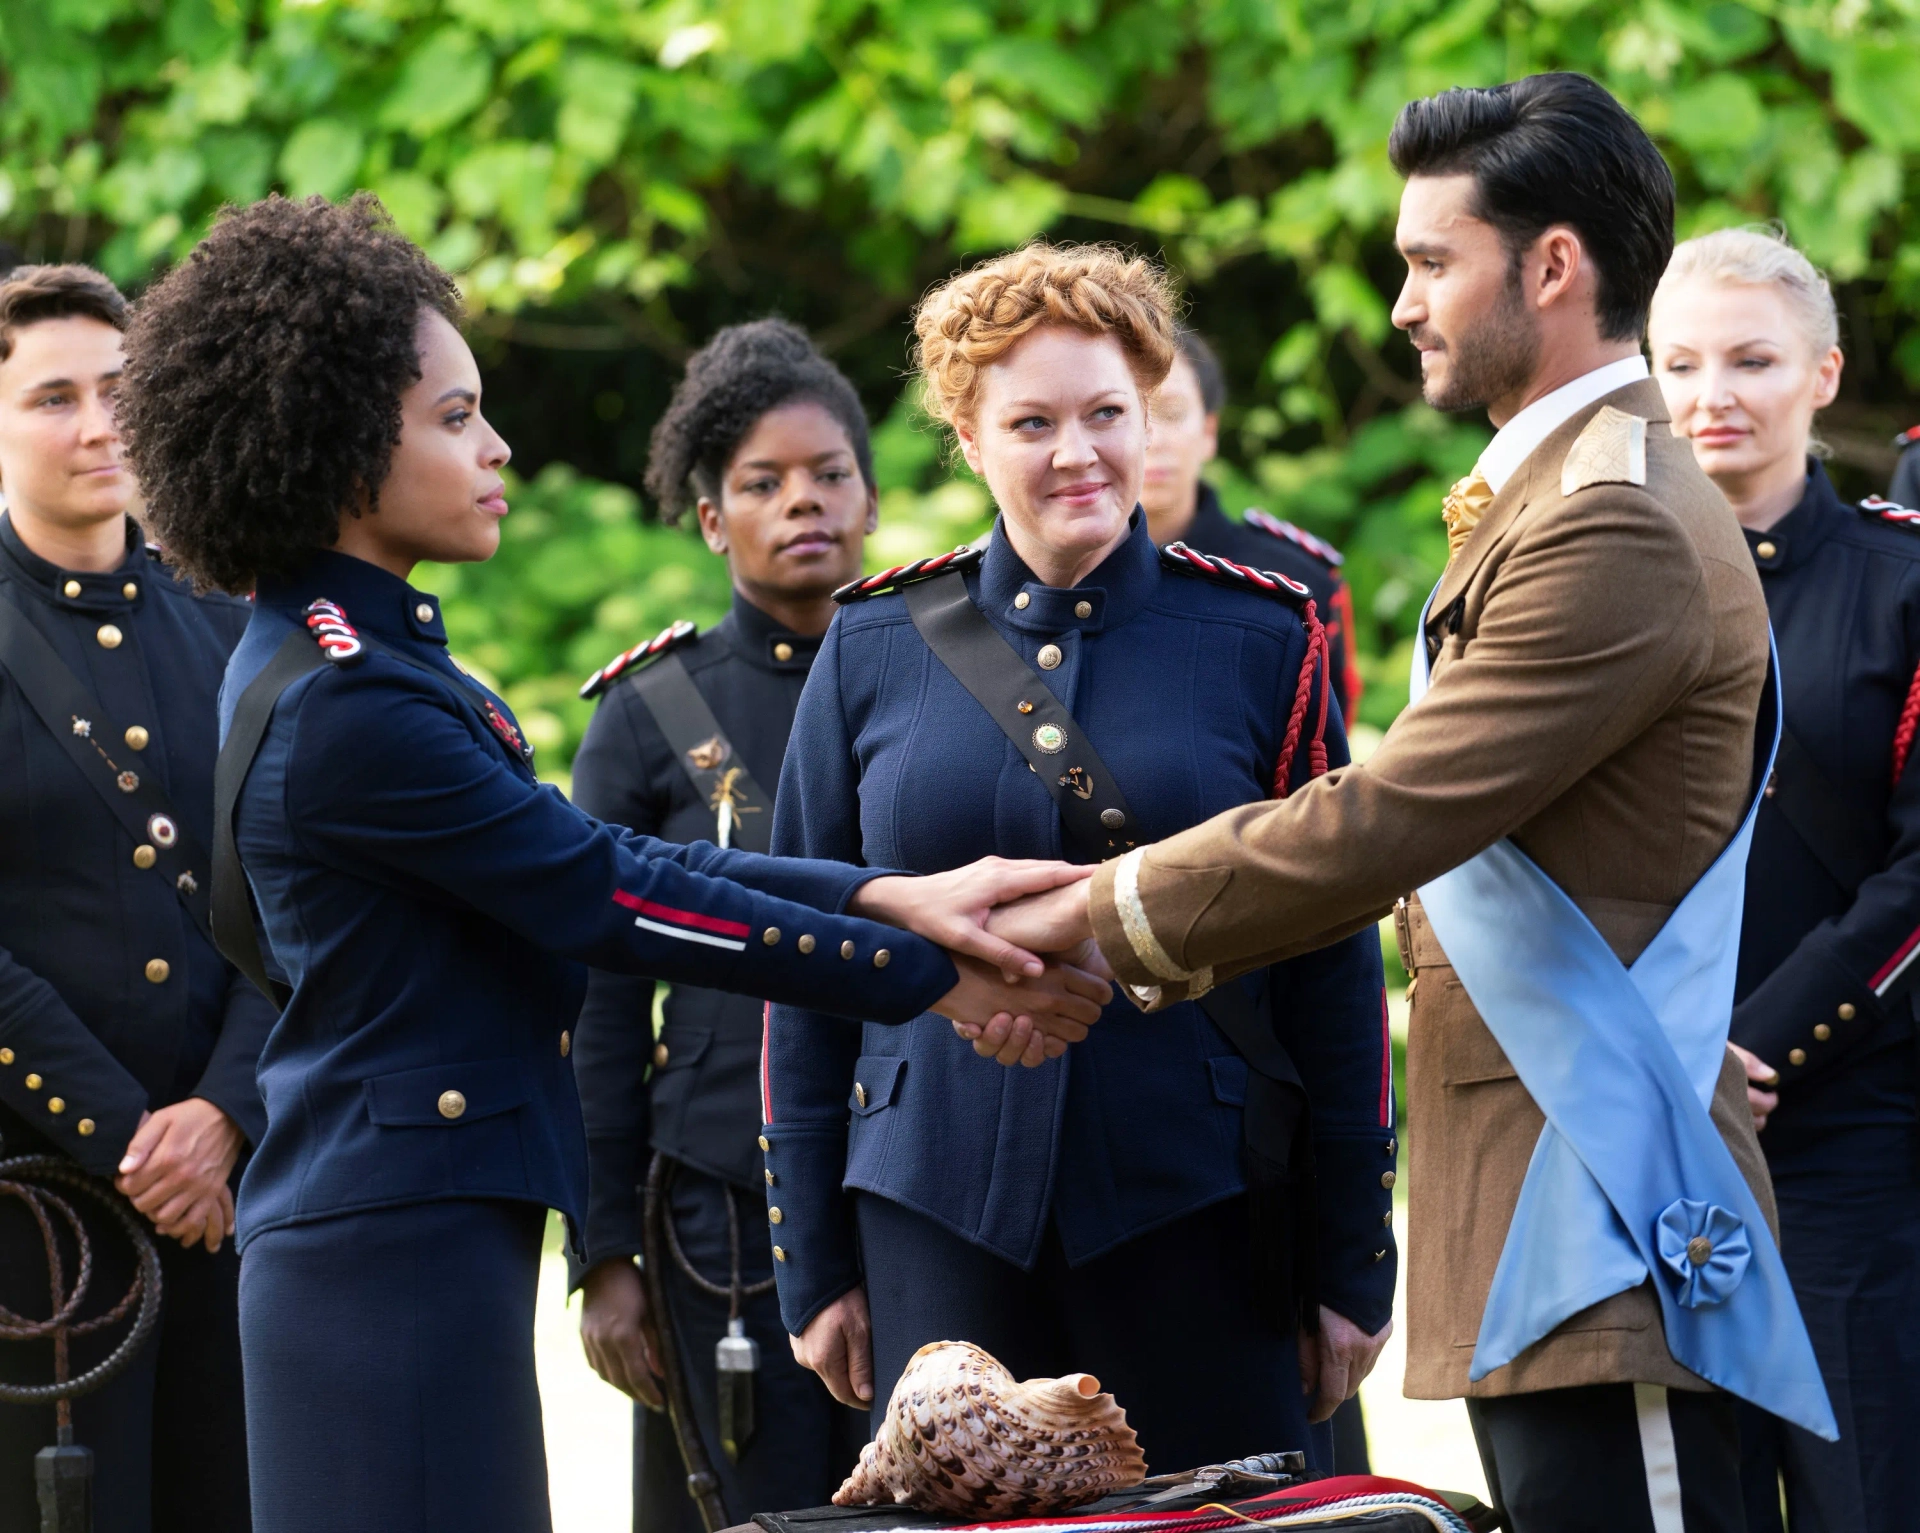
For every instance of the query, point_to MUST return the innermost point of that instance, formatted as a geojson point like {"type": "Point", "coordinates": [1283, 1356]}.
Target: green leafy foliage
{"type": "Point", "coordinates": [616, 176]}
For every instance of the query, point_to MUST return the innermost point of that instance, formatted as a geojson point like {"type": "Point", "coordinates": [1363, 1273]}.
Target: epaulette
{"type": "Point", "coordinates": [1908, 437]}
{"type": "Point", "coordinates": [337, 638]}
{"type": "Point", "coordinates": [670, 637]}
{"type": "Point", "coordinates": [1612, 449]}
{"type": "Point", "coordinates": [1183, 560]}
{"type": "Point", "coordinates": [1890, 511]}
{"type": "Point", "coordinates": [962, 558]}
{"type": "Point", "coordinates": [1320, 548]}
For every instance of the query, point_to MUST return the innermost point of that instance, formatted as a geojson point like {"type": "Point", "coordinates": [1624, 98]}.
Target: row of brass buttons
{"type": "Point", "coordinates": [55, 1105]}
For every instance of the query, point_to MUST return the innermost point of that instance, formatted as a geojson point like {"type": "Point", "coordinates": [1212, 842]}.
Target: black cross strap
{"type": "Point", "coordinates": [1098, 822]}
{"type": "Point", "coordinates": [92, 740]}
{"type": "Point", "coordinates": [718, 772]}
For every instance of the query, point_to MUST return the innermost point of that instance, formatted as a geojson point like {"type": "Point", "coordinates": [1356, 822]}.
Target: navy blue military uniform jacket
{"type": "Point", "coordinates": [1267, 543]}
{"type": "Point", "coordinates": [700, 1102]}
{"type": "Point", "coordinates": [433, 908]}
{"type": "Point", "coordinates": [1184, 689]}
{"type": "Point", "coordinates": [1826, 972]}
{"type": "Point", "coordinates": [112, 1000]}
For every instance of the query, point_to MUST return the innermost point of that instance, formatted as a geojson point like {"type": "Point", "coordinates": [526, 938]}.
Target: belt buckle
{"type": "Point", "coordinates": [1403, 934]}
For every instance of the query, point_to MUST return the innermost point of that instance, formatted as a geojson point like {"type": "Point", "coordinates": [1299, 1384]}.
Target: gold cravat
{"type": "Point", "coordinates": [1465, 504]}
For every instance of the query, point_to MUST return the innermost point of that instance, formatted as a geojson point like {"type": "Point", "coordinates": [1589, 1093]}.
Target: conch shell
{"type": "Point", "coordinates": [963, 1438]}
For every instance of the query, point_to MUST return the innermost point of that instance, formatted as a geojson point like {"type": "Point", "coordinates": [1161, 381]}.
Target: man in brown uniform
{"type": "Point", "coordinates": [1598, 649]}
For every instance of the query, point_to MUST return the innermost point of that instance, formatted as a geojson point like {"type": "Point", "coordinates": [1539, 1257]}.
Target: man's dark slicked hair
{"type": "Point", "coordinates": [742, 374]}
{"type": "Point", "coordinates": [1198, 355]}
{"type": "Point", "coordinates": [1554, 149]}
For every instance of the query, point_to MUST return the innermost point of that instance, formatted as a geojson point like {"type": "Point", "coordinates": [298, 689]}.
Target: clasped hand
{"type": "Point", "coordinates": [176, 1168]}
{"type": "Point", "coordinates": [1018, 1004]}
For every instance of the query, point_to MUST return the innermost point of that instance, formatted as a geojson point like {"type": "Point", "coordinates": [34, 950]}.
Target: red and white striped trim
{"type": "Point", "coordinates": [1888, 974]}
{"type": "Point", "coordinates": [687, 925]}
{"type": "Point", "coordinates": [337, 638]}
{"type": "Point", "coordinates": [1179, 556]}
{"type": "Point", "coordinates": [1890, 511]}
{"type": "Point", "coordinates": [1274, 527]}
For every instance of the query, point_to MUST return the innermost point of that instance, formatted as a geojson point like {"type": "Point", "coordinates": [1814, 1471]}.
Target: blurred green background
{"type": "Point", "coordinates": [614, 179]}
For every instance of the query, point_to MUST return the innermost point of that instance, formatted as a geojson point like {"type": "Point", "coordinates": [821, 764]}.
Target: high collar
{"type": "Point", "coordinates": [1210, 523]}
{"type": "Point", "coordinates": [373, 600]}
{"type": "Point", "coordinates": [1117, 589]}
{"type": "Point", "coordinates": [116, 590]}
{"type": "Point", "coordinates": [760, 640]}
{"type": "Point", "coordinates": [1792, 540]}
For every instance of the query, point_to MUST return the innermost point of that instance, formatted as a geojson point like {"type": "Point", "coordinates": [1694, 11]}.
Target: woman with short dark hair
{"type": "Point", "coordinates": [306, 420]}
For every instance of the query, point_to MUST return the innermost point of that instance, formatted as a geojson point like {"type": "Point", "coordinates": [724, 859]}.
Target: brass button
{"type": "Point", "coordinates": [1083, 609]}
{"type": "Point", "coordinates": [452, 1104]}
{"type": "Point", "coordinates": [764, 1143]}
{"type": "Point", "coordinates": [1050, 657]}
{"type": "Point", "coordinates": [566, 1044]}
{"type": "Point", "coordinates": [882, 958]}
{"type": "Point", "coordinates": [109, 636]}
{"type": "Point", "coordinates": [136, 737]}
{"type": "Point", "coordinates": [1387, 1178]}
{"type": "Point", "coordinates": [157, 971]}
{"type": "Point", "coordinates": [774, 1216]}
{"type": "Point", "coordinates": [769, 1177]}
{"type": "Point", "coordinates": [1393, 1146]}
{"type": "Point", "coordinates": [1765, 551]}
{"type": "Point", "coordinates": [779, 1253]}
{"type": "Point", "coordinates": [129, 590]}
{"type": "Point", "coordinates": [783, 650]}
{"type": "Point", "coordinates": [846, 948]}
{"type": "Point", "coordinates": [1821, 1032]}
{"type": "Point", "coordinates": [805, 944]}
{"type": "Point", "coordinates": [1699, 1250]}
{"type": "Point", "coordinates": [6, 1056]}
{"type": "Point", "coordinates": [860, 1093]}
{"type": "Point", "coordinates": [70, 589]}
{"type": "Point", "coordinates": [1113, 819]}
{"type": "Point", "coordinates": [771, 936]}
{"type": "Point", "coordinates": [1022, 601]}
{"type": "Point", "coordinates": [1847, 1013]}
{"type": "Point", "coordinates": [144, 856]}
{"type": "Point", "coordinates": [33, 1083]}
{"type": "Point", "coordinates": [1796, 1056]}
{"type": "Point", "coordinates": [56, 1104]}
{"type": "Point", "coordinates": [84, 1128]}
{"type": "Point", "coordinates": [659, 1056]}
{"type": "Point", "coordinates": [424, 612]}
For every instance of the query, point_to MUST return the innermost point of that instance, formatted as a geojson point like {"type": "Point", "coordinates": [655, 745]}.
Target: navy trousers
{"type": "Point", "coordinates": [1166, 1322]}
{"type": "Point", "coordinates": [390, 1380]}
{"type": "Point", "coordinates": [169, 1434]}
{"type": "Point", "coordinates": [806, 1442]}
{"type": "Point", "coordinates": [1851, 1242]}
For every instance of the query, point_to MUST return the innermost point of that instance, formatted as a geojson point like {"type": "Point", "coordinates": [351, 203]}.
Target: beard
{"type": "Point", "coordinates": [1496, 360]}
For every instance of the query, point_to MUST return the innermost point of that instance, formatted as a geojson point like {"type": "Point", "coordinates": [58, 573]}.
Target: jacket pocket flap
{"type": "Point", "coordinates": [876, 1077]}
{"type": "Point", "coordinates": [1229, 1079]}
{"type": "Point", "coordinates": [685, 1046]}
{"type": "Point", "coordinates": [443, 1095]}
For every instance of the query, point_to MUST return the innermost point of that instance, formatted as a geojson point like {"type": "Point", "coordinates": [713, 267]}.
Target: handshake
{"type": "Point", "coordinates": [1032, 980]}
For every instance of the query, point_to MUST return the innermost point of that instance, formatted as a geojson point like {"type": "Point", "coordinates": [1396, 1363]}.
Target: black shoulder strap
{"type": "Point", "coordinates": [92, 740]}
{"type": "Point", "coordinates": [1845, 837]}
{"type": "Point", "coordinates": [233, 926]}
{"type": "Point", "coordinates": [1097, 820]}
{"type": "Point", "coordinates": [743, 809]}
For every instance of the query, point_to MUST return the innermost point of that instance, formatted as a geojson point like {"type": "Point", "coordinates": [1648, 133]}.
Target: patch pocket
{"type": "Point", "coordinates": [876, 1080]}
{"type": "Point", "coordinates": [1229, 1080]}
{"type": "Point", "coordinates": [442, 1096]}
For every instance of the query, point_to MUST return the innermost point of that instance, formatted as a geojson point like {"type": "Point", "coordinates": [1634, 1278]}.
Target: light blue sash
{"type": "Point", "coordinates": [1629, 1176]}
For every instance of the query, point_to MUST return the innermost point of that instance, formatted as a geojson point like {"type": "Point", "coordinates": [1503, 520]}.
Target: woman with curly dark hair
{"type": "Point", "coordinates": [305, 419]}
{"type": "Point", "coordinates": [766, 443]}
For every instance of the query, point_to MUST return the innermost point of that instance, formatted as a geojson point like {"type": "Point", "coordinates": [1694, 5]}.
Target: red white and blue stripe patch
{"type": "Point", "coordinates": [687, 925]}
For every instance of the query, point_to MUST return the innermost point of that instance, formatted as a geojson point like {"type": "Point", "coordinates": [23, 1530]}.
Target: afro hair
{"type": "Point", "coordinates": [731, 382]}
{"type": "Point", "coordinates": [261, 398]}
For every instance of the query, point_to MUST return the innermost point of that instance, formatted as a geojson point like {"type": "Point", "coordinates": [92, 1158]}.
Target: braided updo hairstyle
{"type": "Point", "coordinates": [740, 375]}
{"type": "Point", "coordinates": [974, 319]}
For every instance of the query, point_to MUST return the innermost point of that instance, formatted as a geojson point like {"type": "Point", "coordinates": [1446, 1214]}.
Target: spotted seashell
{"type": "Point", "coordinates": [962, 1437]}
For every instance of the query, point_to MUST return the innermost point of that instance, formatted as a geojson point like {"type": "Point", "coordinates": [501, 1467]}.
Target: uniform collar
{"type": "Point", "coordinates": [1514, 442]}
{"type": "Point", "coordinates": [117, 590]}
{"type": "Point", "coordinates": [760, 640]}
{"type": "Point", "coordinates": [1792, 540]}
{"type": "Point", "coordinates": [1209, 527]}
{"type": "Point", "coordinates": [382, 604]}
{"type": "Point", "coordinates": [1112, 594]}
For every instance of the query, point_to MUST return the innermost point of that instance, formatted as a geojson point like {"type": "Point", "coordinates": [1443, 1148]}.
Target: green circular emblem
{"type": "Point", "coordinates": [1050, 738]}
